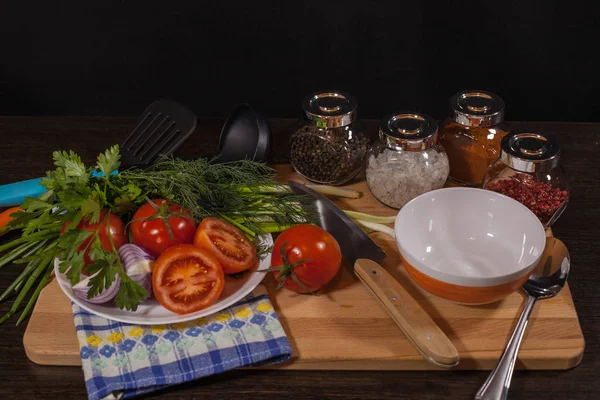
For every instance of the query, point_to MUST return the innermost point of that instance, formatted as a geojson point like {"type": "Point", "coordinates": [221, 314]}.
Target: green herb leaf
{"type": "Point", "coordinates": [32, 204]}
{"type": "Point", "coordinates": [72, 261]}
{"type": "Point", "coordinates": [47, 196]}
{"type": "Point", "coordinates": [127, 199]}
{"type": "Point", "coordinates": [73, 217]}
{"type": "Point", "coordinates": [109, 161]}
{"type": "Point", "coordinates": [71, 165]}
{"type": "Point", "coordinates": [103, 275]}
{"type": "Point", "coordinates": [22, 218]}
{"type": "Point", "coordinates": [42, 220]}
{"type": "Point", "coordinates": [100, 193]}
{"type": "Point", "coordinates": [90, 208]}
{"type": "Point", "coordinates": [72, 238]}
{"type": "Point", "coordinates": [72, 198]}
{"type": "Point", "coordinates": [73, 267]}
{"type": "Point", "coordinates": [97, 253]}
{"type": "Point", "coordinates": [130, 294]}
{"type": "Point", "coordinates": [49, 183]}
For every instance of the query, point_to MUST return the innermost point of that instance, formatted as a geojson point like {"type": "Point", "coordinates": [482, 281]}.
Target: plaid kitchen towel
{"type": "Point", "coordinates": [122, 360]}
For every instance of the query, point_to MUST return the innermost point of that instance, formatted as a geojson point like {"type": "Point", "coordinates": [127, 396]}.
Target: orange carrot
{"type": "Point", "coordinates": [5, 218]}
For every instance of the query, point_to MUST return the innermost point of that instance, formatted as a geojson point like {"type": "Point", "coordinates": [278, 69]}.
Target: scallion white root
{"type": "Point", "coordinates": [377, 227]}
{"type": "Point", "coordinates": [373, 222]}
{"type": "Point", "coordinates": [370, 218]}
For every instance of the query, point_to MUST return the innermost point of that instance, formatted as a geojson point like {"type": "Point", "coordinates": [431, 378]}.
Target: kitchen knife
{"type": "Point", "coordinates": [358, 248]}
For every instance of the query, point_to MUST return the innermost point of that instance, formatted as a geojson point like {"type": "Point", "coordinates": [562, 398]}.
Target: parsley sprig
{"type": "Point", "coordinates": [74, 193]}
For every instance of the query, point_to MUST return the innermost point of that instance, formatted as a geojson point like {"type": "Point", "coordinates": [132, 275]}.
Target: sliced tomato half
{"type": "Point", "coordinates": [186, 279]}
{"type": "Point", "coordinates": [227, 243]}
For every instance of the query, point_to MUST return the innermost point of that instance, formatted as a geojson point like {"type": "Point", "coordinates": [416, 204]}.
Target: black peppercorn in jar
{"type": "Point", "coordinates": [329, 147]}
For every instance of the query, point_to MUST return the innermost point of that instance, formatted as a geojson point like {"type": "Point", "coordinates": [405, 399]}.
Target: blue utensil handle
{"type": "Point", "coordinates": [14, 194]}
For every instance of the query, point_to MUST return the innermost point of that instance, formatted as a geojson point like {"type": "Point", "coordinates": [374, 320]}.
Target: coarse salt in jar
{"type": "Point", "coordinates": [472, 134]}
{"type": "Point", "coordinates": [528, 170]}
{"type": "Point", "coordinates": [407, 160]}
{"type": "Point", "coordinates": [329, 147]}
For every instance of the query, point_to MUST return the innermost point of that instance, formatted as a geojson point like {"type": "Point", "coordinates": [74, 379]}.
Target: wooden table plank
{"type": "Point", "coordinates": [24, 153]}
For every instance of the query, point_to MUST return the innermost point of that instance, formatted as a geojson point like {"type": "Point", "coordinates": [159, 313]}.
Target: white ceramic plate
{"type": "Point", "coordinates": [150, 312]}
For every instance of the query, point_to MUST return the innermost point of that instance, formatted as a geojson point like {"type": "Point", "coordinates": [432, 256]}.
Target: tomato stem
{"type": "Point", "coordinates": [163, 213]}
{"type": "Point", "coordinates": [286, 270]}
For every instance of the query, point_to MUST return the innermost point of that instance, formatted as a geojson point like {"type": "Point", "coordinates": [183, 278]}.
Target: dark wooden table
{"type": "Point", "coordinates": [25, 152]}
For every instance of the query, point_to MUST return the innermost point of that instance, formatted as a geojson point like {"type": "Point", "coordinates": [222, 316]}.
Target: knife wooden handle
{"type": "Point", "coordinates": [416, 324]}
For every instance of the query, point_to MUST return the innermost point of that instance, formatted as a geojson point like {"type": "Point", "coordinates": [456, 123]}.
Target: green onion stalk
{"type": "Point", "coordinates": [372, 223]}
{"type": "Point", "coordinates": [35, 274]}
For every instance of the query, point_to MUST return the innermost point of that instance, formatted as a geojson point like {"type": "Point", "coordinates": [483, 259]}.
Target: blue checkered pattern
{"type": "Point", "coordinates": [122, 360]}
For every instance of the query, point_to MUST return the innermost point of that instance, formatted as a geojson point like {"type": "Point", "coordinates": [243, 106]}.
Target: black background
{"type": "Point", "coordinates": [114, 58]}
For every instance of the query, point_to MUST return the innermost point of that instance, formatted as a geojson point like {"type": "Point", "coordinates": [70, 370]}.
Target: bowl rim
{"type": "Point", "coordinates": [463, 280]}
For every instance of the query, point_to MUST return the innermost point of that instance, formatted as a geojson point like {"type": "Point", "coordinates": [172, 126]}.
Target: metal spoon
{"type": "Point", "coordinates": [547, 280]}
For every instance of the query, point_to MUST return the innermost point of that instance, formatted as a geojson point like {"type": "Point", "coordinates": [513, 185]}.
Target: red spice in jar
{"type": "Point", "coordinates": [540, 197]}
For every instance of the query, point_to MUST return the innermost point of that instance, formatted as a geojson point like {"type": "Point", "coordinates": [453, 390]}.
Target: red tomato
{"type": "Point", "coordinates": [111, 231]}
{"type": "Point", "coordinates": [149, 226]}
{"type": "Point", "coordinates": [186, 279]}
{"type": "Point", "coordinates": [227, 243]}
{"type": "Point", "coordinates": [311, 243]}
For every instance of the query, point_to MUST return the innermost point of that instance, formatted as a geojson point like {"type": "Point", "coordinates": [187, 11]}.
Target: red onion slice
{"type": "Point", "coordinates": [138, 264]}
{"type": "Point", "coordinates": [81, 290]}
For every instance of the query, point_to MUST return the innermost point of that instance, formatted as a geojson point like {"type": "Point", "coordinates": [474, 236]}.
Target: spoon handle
{"type": "Point", "coordinates": [497, 384]}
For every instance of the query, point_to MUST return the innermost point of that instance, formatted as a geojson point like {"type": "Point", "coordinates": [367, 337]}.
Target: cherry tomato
{"type": "Point", "coordinates": [111, 231]}
{"type": "Point", "coordinates": [149, 226]}
{"type": "Point", "coordinates": [186, 279]}
{"type": "Point", "coordinates": [227, 243]}
{"type": "Point", "coordinates": [311, 243]}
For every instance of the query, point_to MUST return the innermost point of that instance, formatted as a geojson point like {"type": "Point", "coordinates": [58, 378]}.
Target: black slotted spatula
{"type": "Point", "coordinates": [161, 129]}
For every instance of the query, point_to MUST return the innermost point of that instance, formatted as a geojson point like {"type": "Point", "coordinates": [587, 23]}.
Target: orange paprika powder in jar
{"type": "Point", "coordinates": [472, 134]}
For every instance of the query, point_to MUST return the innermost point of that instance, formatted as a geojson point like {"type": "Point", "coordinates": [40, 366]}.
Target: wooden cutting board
{"type": "Point", "coordinates": [346, 328]}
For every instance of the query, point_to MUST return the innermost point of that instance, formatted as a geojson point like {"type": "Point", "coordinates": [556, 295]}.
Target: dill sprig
{"type": "Point", "coordinates": [245, 193]}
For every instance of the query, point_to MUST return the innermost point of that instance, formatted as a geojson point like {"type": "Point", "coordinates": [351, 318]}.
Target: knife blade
{"type": "Point", "coordinates": [354, 242]}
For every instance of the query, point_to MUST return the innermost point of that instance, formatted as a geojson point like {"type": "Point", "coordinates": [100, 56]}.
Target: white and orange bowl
{"type": "Point", "coordinates": [467, 245]}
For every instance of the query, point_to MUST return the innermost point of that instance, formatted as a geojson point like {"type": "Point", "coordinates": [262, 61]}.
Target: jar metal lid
{"type": "Point", "coordinates": [330, 109]}
{"type": "Point", "coordinates": [407, 130]}
{"type": "Point", "coordinates": [477, 108]}
{"type": "Point", "coordinates": [530, 152]}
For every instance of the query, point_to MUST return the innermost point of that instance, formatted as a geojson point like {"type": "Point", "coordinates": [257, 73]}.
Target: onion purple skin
{"type": "Point", "coordinates": [138, 264]}
{"type": "Point", "coordinates": [81, 290]}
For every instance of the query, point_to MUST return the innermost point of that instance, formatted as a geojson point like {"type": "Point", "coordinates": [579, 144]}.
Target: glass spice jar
{"type": "Point", "coordinates": [407, 160]}
{"type": "Point", "coordinates": [329, 147]}
{"type": "Point", "coordinates": [471, 135]}
{"type": "Point", "coordinates": [528, 170]}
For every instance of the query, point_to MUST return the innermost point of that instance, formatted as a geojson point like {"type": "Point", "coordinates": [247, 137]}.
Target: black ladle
{"type": "Point", "coordinates": [246, 135]}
